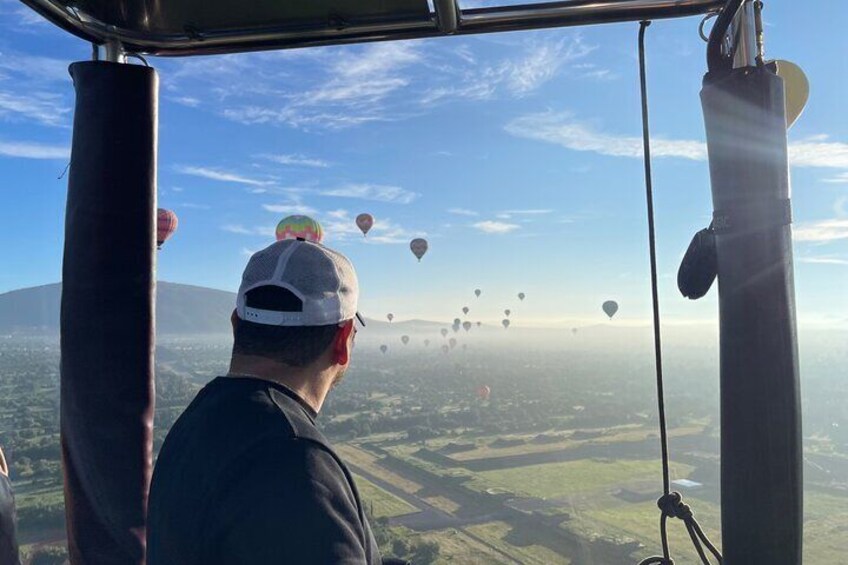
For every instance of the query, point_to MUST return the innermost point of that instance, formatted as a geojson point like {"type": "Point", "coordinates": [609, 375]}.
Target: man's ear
{"type": "Point", "coordinates": [342, 344]}
{"type": "Point", "coordinates": [234, 320]}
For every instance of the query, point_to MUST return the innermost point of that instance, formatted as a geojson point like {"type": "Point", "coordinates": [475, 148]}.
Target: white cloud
{"type": "Point", "coordinates": [528, 212]}
{"type": "Point", "coordinates": [840, 207]}
{"type": "Point", "coordinates": [219, 175]}
{"type": "Point", "coordinates": [42, 107]}
{"type": "Point", "coordinates": [338, 214]}
{"type": "Point", "coordinates": [490, 226]}
{"type": "Point", "coordinates": [290, 209]}
{"type": "Point", "coordinates": [297, 160]}
{"type": "Point", "coordinates": [462, 212]}
{"type": "Point", "coordinates": [189, 101]}
{"type": "Point", "coordinates": [377, 192]}
{"type": "Point", "coordinates": [822, 231]}
{"type": "Point", "coordinates": [823, 260]}
{"type": "Point", "coordinates": [32, 150]}
{"type": "Point", "coordinates": [840, 178]}
{"type": "Point", "coordinates": [818, 152]}
{"type": "Point", "coordinates": [237, 228]}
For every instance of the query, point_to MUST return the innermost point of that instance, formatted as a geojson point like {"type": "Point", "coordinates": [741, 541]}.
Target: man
{"type": "Point", "coordinates": [8, 519]}
{"type": "Point", "coordinates": [244, 476]}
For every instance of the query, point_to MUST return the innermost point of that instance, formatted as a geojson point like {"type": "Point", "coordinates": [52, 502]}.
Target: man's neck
{"type": "Point", "coordinates": [310, 386]}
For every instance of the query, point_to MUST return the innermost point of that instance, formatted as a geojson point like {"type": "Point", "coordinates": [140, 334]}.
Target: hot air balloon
{"type": "Point", "coordinates": [390, 317]}
{"type": "Point", "coordinates": [456, 327]}
{"type": "Point", "coordinates": [479, 324]}
{"type": "Point", "coordinates": [300, 227]}
{"type": "Point", "coordinates": [364, 223]}
{"type": "Point", "coordinates": [505, 323]}
{"type": "Point", "coordinates": [457, 322]}
{"type": "Point", "coordinates": [384, 348]}
{"type": "Point", "coordinates": [426, 343]}
{"type": "Point", "coordinates": [610, 307]}
{"type": "Point", "coordinates": [483, 392]}
{"type": "Point", "coordinates": [466, 326]}
{"type": "Point", "coordinates": [465, 310]}
{"type": "Point", "coordinates": [507, 312]}
{"type": "Point", "coordinates": [444, 332]}
{"type": "Point", "coordinates": [419, 247]}
{"type": "Point", "coordinates": [452, 342]}
{"type": "Point", "coordinates": [404, 339]}
{"type": "Point", "coordinates": [477, 292]}
{"type": "Point", "coordinates": [574, 331]}
{"type": "Point", "coordinates": [166, 225]}
{"type": "Point", "coordinates": [521, 296]}
{"type": "Point", "coordinates": [445, 348]}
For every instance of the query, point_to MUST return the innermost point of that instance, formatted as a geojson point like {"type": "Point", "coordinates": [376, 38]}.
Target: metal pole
{"type": "Point", "coordinates": [107, 320]}
{"type": "Point", "coordinates": [761, 464]}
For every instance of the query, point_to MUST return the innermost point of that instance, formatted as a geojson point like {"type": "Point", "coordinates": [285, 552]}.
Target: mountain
{"type": "Point", "coordinates": [180, 309]}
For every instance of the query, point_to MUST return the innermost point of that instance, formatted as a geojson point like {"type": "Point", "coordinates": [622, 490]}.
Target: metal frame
{"type": "Point", "coordinates": [448, 19]}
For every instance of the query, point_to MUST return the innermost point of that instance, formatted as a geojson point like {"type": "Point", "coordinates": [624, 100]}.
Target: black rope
{"type": "Point", "coordinates": [670, 503]}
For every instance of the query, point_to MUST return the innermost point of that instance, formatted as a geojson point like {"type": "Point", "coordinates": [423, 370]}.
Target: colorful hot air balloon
{"type": "Point", "coordinates": [444, 332]}
{"type": "Point", "coordinates": [384, 348]}
{"type": "Point", "coordinates": [465, 310]}
{"type": "Point", "coordinates": [364, 223]}
{"type": "Point", "coordinates": [483, 392]}
{"type": "Point", "coordinates": [610, 307]}
{"type": "Point", "coordinates": [390, 317]}
{"type": "Point", "coordinates": [300, 227]}
{"type": "Point", "coordinates": [404, 339]}
{"type": "Point", "coordinates": [452, 342]}
{"type": "Point", "coordinates": [505, 323]}
{"type": "Point", "coordinates": [521, 296]}
{"type": "Point", "coordinates": [466, 326]}
{"type": "Point", "coordinates": [166, 225]}
{"type": "Point", "coordinates": [477, 292]}
{"type": "Point", "coordinates": [419, 247]}
{"type": "Point", "coordinates": [507, 312]}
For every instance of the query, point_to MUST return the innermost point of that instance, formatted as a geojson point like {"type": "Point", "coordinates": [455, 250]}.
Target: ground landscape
{"type": "Point", "coordinates": [560, 464]}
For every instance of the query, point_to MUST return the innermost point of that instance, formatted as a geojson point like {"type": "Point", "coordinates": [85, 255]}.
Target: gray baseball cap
{"type": "Point", "coordinates": [324, 280]}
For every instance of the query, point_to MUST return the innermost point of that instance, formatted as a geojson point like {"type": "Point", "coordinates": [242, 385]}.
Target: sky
{"type": "Point", "coordinates": [518, 156]}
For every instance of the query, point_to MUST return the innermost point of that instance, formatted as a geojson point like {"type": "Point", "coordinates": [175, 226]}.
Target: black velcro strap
{"type": "Point", "coordinates": [747, 216]}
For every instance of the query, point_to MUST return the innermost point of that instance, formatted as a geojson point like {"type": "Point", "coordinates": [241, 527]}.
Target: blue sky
{"type": "Point", "coordinates": [516, 155]}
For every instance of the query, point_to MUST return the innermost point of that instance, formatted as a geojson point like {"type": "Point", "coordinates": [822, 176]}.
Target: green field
{"type": "Point", "coordinates": [384, 504]}
{"type": "Point", "coordinates": [498, 534]}
{"type": "Point", "coordinates": [556, 480]}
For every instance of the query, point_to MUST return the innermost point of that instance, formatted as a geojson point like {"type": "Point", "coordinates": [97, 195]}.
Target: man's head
{"type": "Point", "coordinates": [296, 310]}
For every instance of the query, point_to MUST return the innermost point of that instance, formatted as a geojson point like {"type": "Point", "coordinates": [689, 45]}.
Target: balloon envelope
{"type": "Point", "coordinates": [477, 292]}
{"type": "Point", "coordinates": [384, 348]}
{"type": "Point", "coordinates": [521, 296]}
{"type": "Point", "coordinates": [479, 324]}
{"type": "Point", "coordinates": [300, 227]}
{"type": "Point", "coordinates": [390, 317]}
{"type": "Point", "coordinates": [452, 342]}
{"type": "Point", "coordinates": [796, 88]}
{"type": "Point", "coordinates": [166, 225]}
{"type": "Point", "coordinates": [610, 307]}
{"type": "Point", "coordinates": [505, 323]}
{"type": "Point", "coordinates": [507, 312]}
{"type": "Point", "coordinates": [419, 247]}
{"type": "Point", "coordinates": [404, 339]}
{"type": "Point", "coordinates": [465, 309]}
{"type": "Point", "coordinates": [444, 332]}
{"type": "Point", "coordinates": [466, 326]}
{"type": "Point", "coordinates": [364, 223]}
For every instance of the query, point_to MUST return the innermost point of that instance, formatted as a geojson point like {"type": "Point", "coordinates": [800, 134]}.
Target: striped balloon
{"type": "Point", "coordinates": [300, 227]}
{"type": "Point", "coordinates": [166, 225]}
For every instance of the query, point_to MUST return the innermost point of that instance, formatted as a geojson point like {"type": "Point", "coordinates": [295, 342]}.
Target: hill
{"type": "Point", "coordinates": [180, 309]}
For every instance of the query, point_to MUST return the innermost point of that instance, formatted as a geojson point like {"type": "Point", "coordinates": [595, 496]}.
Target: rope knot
{"type": "Point", "coordinates": [672, 505]}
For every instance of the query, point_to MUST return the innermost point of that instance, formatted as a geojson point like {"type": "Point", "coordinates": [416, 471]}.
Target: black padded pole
{"type": "Point", "coordinates": [107, 320]}
{"type": "Point", "coordinates": [761, 487]}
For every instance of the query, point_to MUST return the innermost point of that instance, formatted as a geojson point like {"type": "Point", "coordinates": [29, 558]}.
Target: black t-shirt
{"type": "Point", "coordinates": [244, 477]}
{"type": "Point", "coordinates": [8, 533]}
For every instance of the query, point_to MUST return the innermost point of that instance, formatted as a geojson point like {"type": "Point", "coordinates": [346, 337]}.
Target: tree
{"type": "Point", "coordinates": [50, 555]}
{"type": "Point", "coordinates": [425, 552]}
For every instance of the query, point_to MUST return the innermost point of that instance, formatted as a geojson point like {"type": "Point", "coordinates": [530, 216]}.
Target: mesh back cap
{"type": "Point", "coordinates": [323, 279]}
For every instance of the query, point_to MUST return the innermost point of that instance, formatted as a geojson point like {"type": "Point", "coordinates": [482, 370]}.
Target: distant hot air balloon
{"type": "Point", "coordinates": [505, 323]}
{"type": "Point", "coordinates": [507, 312]}
{"type": "Point", "coordinates": [483, 392]}
{"type": "Point", "coordinates": [465, 310]}
{"type": "Point", "coordinates": [477, 292]}
{"type": "Point", "coordinates": [452, 342]}
{"type": "Point", "coordinates": [300, 227]}
{"type": "Point", "coordinates": [457, 322]}
{"type": "Point", "coordinates": [445, 348]}
{"type": "Point", "coordinates": [390, 317]}
{"type": "Point", "coordinates": [426, 343]}
{"type": "Point", "coordinates": [404, 339]}
{"type": "Point", "coordinates": [384, 348]}
{"type": "Point", "coordinates": [521, 296]}
{"type": "Point", "coordinates": [419, 247]}
{"type": "Point", "coordinates": [456, 327]}
{"type": "Point", "coordinates": [610, 307]}
{"type": "Point", "coordinates": [364, 223]}
{"type": "Point", "coordinates": [466, 326]}
{"type": "Point", "coordinates": [166, 225]}
{"type": "Point", "coordinates": [479, 324]}
{"type": "Point", "coordinates": [574, 331]}
{"type": "Point", "coordinates": [444, 332]}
